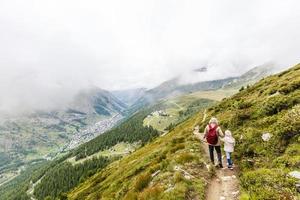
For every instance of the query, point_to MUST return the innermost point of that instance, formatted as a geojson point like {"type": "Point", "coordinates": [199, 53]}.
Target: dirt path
{"type": "Point", "coordinates": [224, 185]}
{"type": "Point", "coordinates": [176, 104]}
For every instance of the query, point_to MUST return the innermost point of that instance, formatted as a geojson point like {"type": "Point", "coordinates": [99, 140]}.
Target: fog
{"type": "Point", "coordinates": [51, 49]}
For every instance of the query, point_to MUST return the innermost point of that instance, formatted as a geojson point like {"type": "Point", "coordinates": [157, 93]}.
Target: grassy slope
{"type": "Point", "coordinates": [176, 105]}
{"type": "Point", "coordinates": [130, 177]}
{"type": "Point", "coordinates": [269, 106]}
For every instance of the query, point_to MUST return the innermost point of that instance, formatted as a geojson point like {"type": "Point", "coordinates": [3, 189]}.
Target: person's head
{"type": "Point", "coordinates": [228, 133]}
{"type": "Point", "coordinates": [214, 121]}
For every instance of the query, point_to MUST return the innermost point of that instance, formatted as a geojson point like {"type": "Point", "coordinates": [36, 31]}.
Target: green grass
{"type": "Point", "coordinates": [133, 176]}
{"type": "Point", "coordinates": [176, 106]}
{"type": "Point", "coordinates": [120, 149]}
{"type": "Point", "coordinates": [269, 106]}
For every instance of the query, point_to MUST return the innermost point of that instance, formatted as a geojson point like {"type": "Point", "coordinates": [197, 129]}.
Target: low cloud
{"type": "Point", "coordinates": [52, 49]}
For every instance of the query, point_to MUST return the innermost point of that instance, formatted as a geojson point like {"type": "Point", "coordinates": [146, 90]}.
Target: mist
{"type": "Point", "coordinates": [52, 49]}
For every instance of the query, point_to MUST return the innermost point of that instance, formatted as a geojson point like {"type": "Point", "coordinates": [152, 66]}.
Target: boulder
{"type": "Point", "coordinates": [266, 137]}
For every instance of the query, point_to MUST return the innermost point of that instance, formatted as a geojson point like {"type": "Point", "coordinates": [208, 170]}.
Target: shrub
{"type": "Point", "coordinates": [177, 147]}
{"type": "Point", "coordinates": [177, 140]}
{"type": "Point", "coordinates": [290, 88]}
{"type": "Point", "coordinates": [289, 125]}
{"type": "Point", "coordinates": [268, 184]}
{"type": "Point", "coordinates": [185, 157]}
{"type": "Point", "coordinates": [177, 177]}
{"type": "Point", "coordinates": [151, 193]}
{"type": "Point", "coordinates": [142, 181]}
{"type": "Point", "coordinates": [276, 104]}
{"type": "Point", "coordinates": [243, 115]}
{"type": "Point", "coordinates": [244, 104]}
{"type": "Point", "coordinates": [131, 196]}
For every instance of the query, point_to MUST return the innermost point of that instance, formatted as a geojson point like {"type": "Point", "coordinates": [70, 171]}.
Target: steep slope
{"type": "Point", "coordinates": [176, 86]}
{"type": "Point", "coordinates": [253, 75]}
{"type": "Point", "coordinates": [97, 101]}
{"type": "Point", "coordinates": [171, 168]}
{"type": "Point", "coordinates": [264, 119]}
{"type": "Point", "coordinates": [129, 96]}
{"type": "Point", "coordinates": [41, 135]}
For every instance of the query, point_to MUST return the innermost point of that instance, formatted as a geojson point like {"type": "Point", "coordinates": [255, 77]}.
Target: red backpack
{"type": "Point", "coordinates": [212, 136]}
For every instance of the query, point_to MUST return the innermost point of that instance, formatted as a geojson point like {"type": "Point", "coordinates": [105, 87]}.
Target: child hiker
{"type": "Point", "coordinates": [229, 143]}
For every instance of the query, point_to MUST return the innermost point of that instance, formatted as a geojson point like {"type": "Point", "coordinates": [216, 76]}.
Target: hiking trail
{"type": "Point", "coordinates": [225, 184]}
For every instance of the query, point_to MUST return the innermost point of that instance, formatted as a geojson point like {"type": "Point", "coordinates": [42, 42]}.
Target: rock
{"type": "Point", "coordinates": [295, 174]}
{"type": "Point", "coordinates": [226, 178]}
{"type": "Point", "coordinates": [222, 198]}
{"type": "Point", "coordinates": [298, 187]}
{"type": "Point", "coordinates": [233, 176]}
{"type": "Point", "coordinates": [155, 173]}
{"type": "Point", "coordinates": [266, 137]}
{"type": "Point", "coordinates": [187, 177]}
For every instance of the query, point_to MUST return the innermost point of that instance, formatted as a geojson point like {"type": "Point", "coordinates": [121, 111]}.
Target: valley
{"type": "Point", "coordinates": [42, 136]}
{"type": "Point", "coordinates": [91, 132]}
{"type": "Point", "coordinates": [155, 141]}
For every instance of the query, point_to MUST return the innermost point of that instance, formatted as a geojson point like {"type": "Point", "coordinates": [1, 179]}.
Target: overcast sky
{"type": "Point", "coordinates": [52, 48]}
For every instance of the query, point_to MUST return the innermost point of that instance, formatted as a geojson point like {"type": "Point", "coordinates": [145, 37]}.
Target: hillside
{"type": "Point", "coordinates": [270, 106]}
{"type": "Point", "coordinates": [169, 168]}
{"type": "Point", "coordinates": [42, 135]}
{"type": "Point", "coordinates": [177, 87]}
{"type": "Point", "coordinates": [134, 161]}
{"type": "Point", "coordinates": [88, 158]}
{"type": "Point", "coordinates": [129, 96]}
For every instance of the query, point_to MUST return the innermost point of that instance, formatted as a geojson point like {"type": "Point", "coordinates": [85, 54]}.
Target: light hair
{"type": "Point", "coordinates": [228, 133]}
{"type": "Point", "coordinates": [213, 120]}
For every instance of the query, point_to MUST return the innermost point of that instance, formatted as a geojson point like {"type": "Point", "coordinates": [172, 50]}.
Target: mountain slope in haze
{"type": "Point", "coordinates": [85, 160]}
{"type": "Point", "coordinates": [129, 96]}
{"type": "Point", "coordinates": [176, 86]}
{"type": "Point", "coordinates": [253, 75]}
{"type": "Point", "coordinates": [172, 168]}
{"type": "Point", "coordinates": [41, 135]}
{"type": "Point", "coordinates": [97, 101]}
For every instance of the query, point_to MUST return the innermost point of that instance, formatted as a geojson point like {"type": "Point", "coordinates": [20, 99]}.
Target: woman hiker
{"type": "Point", "coordinates": [212, 134]}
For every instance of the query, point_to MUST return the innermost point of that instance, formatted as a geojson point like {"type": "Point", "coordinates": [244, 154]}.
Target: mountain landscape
{"type": "Point", "coordinates": [175, 86]}
{"type": "Point", "coordinates": [149, 100]}
{"type": "Point", "coordinates": [172, 167]}
{"type": "Point", "coordinates": [42, 135]}
{"type": "Point", "coordinates": [160, 156]}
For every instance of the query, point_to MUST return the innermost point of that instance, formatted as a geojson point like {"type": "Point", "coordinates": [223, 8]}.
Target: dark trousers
{"type": "Point", "coordinates": [211, 153]}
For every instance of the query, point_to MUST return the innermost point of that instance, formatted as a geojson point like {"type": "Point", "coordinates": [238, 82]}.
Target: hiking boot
{"type": "Point", "coordinates": [220, 165]}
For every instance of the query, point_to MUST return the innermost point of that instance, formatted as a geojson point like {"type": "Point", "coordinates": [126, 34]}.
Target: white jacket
{"type": "Point", "coordinates": [229, 143]}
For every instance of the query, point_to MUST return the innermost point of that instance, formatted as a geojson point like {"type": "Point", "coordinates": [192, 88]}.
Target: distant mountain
{"type": "Point", "coordinates": [97, 101]}
{"type": "Point", "coordinates": [176, 86]}
{"type": "Point", "coordinates": [129, 96]}
{"type": "Point", "coordinates": [42, 134]}
{"type": "Point", "coordinates": [253, 75]}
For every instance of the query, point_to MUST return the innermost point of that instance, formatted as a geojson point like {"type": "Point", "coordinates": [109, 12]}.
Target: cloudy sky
{"type": "Point", "coordinates": [50, 49]}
